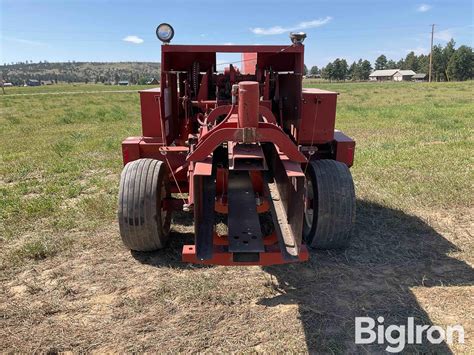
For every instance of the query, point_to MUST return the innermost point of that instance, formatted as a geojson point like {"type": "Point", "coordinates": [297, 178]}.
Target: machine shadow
{"type": "Point", "coordinates": [390, 253]}
{"type": "Point", "coordinates": [171, 255]}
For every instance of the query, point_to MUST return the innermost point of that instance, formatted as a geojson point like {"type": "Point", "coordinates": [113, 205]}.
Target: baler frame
{"type": "Point", "coordinates": [246, 147]}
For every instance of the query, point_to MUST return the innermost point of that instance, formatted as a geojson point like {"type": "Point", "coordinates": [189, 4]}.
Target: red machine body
{"type": "Point", "coordinates": [220, 135]}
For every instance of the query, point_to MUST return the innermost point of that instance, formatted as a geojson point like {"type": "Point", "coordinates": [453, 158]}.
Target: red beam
{"type": "Point", "coordinates": [272, 256]}
{"type": "Point", "coordinates": [231, 49]}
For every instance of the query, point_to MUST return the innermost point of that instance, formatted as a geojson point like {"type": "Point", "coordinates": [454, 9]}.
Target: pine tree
{"type": "Point", "coordinates": [365, 70]}
{"type": "Point", "coordinates": [381, 62]}
{"type": "Point", "coordinates": [460, 66]}
{"type": "Point", "coordinates": [314, 70]}
{"type": "Point", "coordinates": [411, 62]}
{"type": "Point", "coordinates": [448, 52]}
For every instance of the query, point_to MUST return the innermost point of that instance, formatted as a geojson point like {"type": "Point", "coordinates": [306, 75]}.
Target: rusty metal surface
{"type": "Point", "coordinates": [286, 191]}
{"type": "Point", "coordinates": [245, 235]}
{"type": "Point", "coordinates": [286, 238]}
{"type": "Point", "coordinates": [289, 180]}
{"type": "Point", "coordinates": [249, 135]}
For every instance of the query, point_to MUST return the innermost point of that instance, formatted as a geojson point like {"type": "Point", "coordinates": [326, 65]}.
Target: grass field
{"type": "Point", "coordinates": [68, 284]}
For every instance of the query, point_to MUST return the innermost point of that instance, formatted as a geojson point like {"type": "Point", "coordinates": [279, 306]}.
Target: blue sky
{"type": "Point", "coordinates": [103, 30]}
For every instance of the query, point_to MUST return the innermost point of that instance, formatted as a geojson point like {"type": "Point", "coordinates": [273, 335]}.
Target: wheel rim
{"type": "Point", "coordinates": [308, 203]}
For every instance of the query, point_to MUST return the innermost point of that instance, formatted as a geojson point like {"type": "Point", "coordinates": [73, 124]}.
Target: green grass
{"type": "Point", "coordinates": [414, 141]}
{"type": "Point", "coordinates": [61, 156]}
{"type": "Point", "coordinates": [60, 160]}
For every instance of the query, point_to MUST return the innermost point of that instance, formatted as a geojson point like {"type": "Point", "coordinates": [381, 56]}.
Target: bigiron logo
{"type": "Point", "coordinates": [398, 336]}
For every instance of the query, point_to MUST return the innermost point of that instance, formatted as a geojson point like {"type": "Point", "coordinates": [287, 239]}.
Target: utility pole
{"type": "Point", "coordinates": [431, 52]}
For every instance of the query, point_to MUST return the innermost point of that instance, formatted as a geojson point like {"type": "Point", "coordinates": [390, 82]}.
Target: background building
{"type": "Point", "coordinates": [383, 75]}
{"type": "Point", "coordinates": [403, 75]}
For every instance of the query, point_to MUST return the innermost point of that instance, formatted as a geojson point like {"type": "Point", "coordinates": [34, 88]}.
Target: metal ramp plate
{"type": "Point", "coordinates": [245, 235]}
{"type": "Point", "coordinates": [204, 215]}
{"type": "Point", "coordinates": [286, 238]}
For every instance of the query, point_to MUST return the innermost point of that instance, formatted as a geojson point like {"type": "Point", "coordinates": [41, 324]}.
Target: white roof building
{"type": "Point", "coordinates": [402, 75]}
{"type": "Point", "coordinates": [385, 74]}
{"type": "Point", "coordinates": [391, 74]}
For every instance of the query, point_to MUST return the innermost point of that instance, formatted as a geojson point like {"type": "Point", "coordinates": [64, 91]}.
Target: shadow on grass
{"type": "Point", "coordinates": [390, 253]}
{"type": "Point", "coordinates": [171, 255]}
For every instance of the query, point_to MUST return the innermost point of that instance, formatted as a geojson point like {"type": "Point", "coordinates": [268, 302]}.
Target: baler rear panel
{"type": "Point", "coordinates": [238, 144]}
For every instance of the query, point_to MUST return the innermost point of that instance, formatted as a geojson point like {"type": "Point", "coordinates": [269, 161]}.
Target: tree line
{"type": "Point", "coordinates": [449, 64]}
{"type": "Point", "coordinates": [86, 72]}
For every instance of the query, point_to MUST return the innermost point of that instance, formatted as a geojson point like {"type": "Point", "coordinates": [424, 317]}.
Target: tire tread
{"type": "Point", "coordinates": [139, 213]}
{"type": "Point", "coordinates": [335, 205]}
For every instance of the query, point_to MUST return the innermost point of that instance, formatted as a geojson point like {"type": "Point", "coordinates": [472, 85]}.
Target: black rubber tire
{"type": "Point", "coordinates": [333, 205]}
{"type": "Point", "coordinates": [144, 225]}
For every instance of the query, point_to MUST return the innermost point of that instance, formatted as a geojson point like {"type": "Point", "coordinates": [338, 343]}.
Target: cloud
{"type": "Point", "coordinates": [444, 35]}
{"type": "Point", "coordinates": [418, 50]}
{"type": "Point", "coordinates": [276, 30]}
{"type": "Point", "coordinates": [386, 52]}
{"type": "Point", "coordinates": [424, 8]}
{"type": "Point", "coordinates": [133, 39]}
{"type": "Point", "coordinates": [453, 32]}
{"type": "Point", "coordinates": [24, 41]}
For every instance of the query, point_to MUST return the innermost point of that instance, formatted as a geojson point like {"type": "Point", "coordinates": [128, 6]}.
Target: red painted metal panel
{"type": "Point", "coordinates": [203, 168]}
{"type": "Point", "coordinates": [266, 132]}
{"type": "Point", "coordinates": [318, 116]}
{"type": "Point", "coordinates": [281, 61]}
{"type": "Point", "coordinates": [221, 256]}
{"type": "Point", "coordinates": [178, 61]}
{"type": "Point", "coordinates": [271, 256]}
{"type": "Point", "coordinates": [345, 148]}
{"type": "Point", "coordinates": [249, 98]}
{"type": "Point", "coordinates": [130, 149]}
{"type": "Point", "coordinates": [150, 109]}
{"type": "Point", "coordinates": [171, 120]}
{"type": "Point", "coordinates": [231, 49]}
{"type": "Point", "coordinates": [267, 113]}
{"type": "Point", "coordinates": [181, 57]}
{"type": "Point", "coordinates": [249, 62]}
{"type": "Point", "coordinates": [151, 148]}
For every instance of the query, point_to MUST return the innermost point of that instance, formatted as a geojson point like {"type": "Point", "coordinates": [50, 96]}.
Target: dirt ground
{"type": "Point", "coordinates": [105, 298]}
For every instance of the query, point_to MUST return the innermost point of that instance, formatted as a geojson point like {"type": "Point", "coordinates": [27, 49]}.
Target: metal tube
{"type": "Point", "coordinates": [249, 98]}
